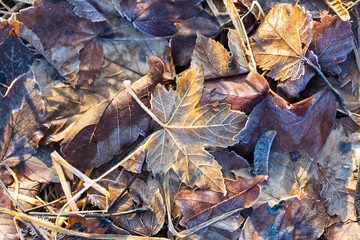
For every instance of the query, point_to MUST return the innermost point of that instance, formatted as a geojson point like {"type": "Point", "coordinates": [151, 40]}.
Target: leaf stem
{"type": "Point", "coordinates": [335, 91]}
{"type": "Point", "coordinates": [127, 84]}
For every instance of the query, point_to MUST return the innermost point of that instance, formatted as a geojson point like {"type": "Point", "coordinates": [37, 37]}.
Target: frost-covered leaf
{"type": "Point", "coordinates": [332, 41]}
{"type": "Point", "coordinates": [289, 219]}
{"type": "Point", "coordinates": [187, 129]}
{"type": "Point", "coordinates": [281, 42]}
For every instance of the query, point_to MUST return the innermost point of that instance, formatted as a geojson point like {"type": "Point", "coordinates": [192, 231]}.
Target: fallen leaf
{"type": "Point", "coordinates": [289, 219]}
{"type": "Point", "coordinates": [348, 231]}
{"type": "Point", "coordinates": [282, 40]}
{"type": "Point", "coordinates": [186, 130]}
{"type": "Point", "coordinates": [156, 17]}
{"type": "Point", "coordinates": [237, 51]}
{"type": "Point", "coordinates": [69, 42]}
{"type": "Point", "coordinates": [202, 205]}
{"type": "Point", "coordinates": [339, 9]}
{"type": "Point", "coordinates": [336, 164]}
{"type": "Point", "coordinates": [86, 10]}
{"type": "Point", "coordinates": [261, 153]}
{"type": "Point", "coordinates": [303, 126]}
{"type": "Point", "coordinates": [91, 138]}
{"type": "Point", "coordinates": [142, 195]}
{"type": "Point", "coordinates": [212, 56]}
{"type": "Point", "coordinates": [15, 58]}
{"type": "Point", "coordinates": [243, 92]}
{"type": "Point", "coordinates": [327, 36]}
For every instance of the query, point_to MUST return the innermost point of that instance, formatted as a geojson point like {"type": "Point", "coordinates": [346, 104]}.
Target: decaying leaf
{"type": "Point", "coordinates": [156, 17]}
{"type": "Point", "coordinates": [303, 126]}
{"type": "Point", "coordinates": [70, 43]}
{"type": "Point", "coordinates": [281, 42]}
{"type": "Point", "coordinates": [332, 41]}
{"type": "Point", "coordinates": [349, 231]}
{"type": "Point", "coordinates": [289, 219]}
{"type": "Point", "coordinates": [90, 137]}
{"type": "Point", "coordinates": [202, 205]}
{"type": "Point", "coordinates": [186, 130]}
{"type": "Point", "coordinates": [243, 92]}
{"type": "Point", "coordinates": [336, 165]}
{"type": "Point", "coordinates": [15, 58]}
{"type": "Point", "coordinates": [216, 60]}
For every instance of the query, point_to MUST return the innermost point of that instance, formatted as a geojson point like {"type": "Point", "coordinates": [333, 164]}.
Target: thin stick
{"type": "Point", "coordinates": [56, 156]}
{"type": "Point", "coordinates": [127, 84]}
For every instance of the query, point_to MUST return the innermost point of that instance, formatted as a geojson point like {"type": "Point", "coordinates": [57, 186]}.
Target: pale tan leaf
{"type": "Point", "coordinates": [238, 53]}
{"type": "Point", "coordinates": [282, 40]}
{"type": "Point", "coordinates": [339, 9]}
{"type": "Point", "coordinates": [187, 130]}
{"type": "Point", "coordinates": [212, 56]}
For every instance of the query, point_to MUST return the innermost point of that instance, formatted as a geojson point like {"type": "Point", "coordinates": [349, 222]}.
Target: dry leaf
{"type": "Point", "coordinates": [339, 9]}
{"type": "Point", "coordinates": [348, 231]}
{"type": "Point", "coordinates": [186, 130]}
{"type": "Point", "coordinates": [7, 226]}
{"type": "Point", "coordinates": [289, 219]}
{"type": "Point", "coordinates": [202, 205]}
{"type": "Point", "coordinates": [281, 42]}
{"type": "Point", "coordinates": [332, 41]}
{"type": "Point", "coordinates": [90, 136]}
{"type": "Point", "coordinates": [243, 92]}
{"type": "Point", "coordinates": [68, 42]}
{"type": "Point", "coordinates": [303, 126]}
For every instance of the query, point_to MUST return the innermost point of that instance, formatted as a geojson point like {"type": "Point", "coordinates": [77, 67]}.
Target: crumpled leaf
{"type": "Point", "coordinates": [7, 225]}
{"type": "Point", "coordinates": [282, 40]}
{"type": "Point", "coordinates": [21, 133]}
{"type": "Point", "coordinates": [243, 92]}
{"type": "Point", "coordinates": [158, 17]}
{"type": "Point", "coordinates": [142, 195]}
{"type": "Point", "coordinates": [70, 43]}
{"type": "Point", "coordinates": [289, 219]}
{"type": "Point", "coordinates": [215, 58]}
{"type": "Point", "coordinates": [339, 9]}
{"type": "Point", "coordinates": [332, 41]}
{"type": "Point", "coordinates": [349, 231]}
{"type": "Point", "coordinates": [90, 136]}
{"type": "Point", "coordinates": [186, 130]}
{"type": "Point", "coordinates": [202, 205]}
{"type": "Point", "coordinates": [336, 164]}
{"type": "Point", "coordinates": [15, 58]}
{"type": "Point", "coordinates": [303, 126]}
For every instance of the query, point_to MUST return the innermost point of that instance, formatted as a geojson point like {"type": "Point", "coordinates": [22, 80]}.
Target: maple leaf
{"type": "Point", "coordinates": [327, 36]}
{"type": "Point", "coordinates": [187, 129]}
{"type": "Point", "coordinates": [303, 126]}
{"type": "Point", "coordinates": [199, 206]}
{"type": "Point", "coordinates": [282, 40]}
{"type": "Point", "coordinates": [289, 219]}
{"type": "Point", "coordinates": [349, 230]}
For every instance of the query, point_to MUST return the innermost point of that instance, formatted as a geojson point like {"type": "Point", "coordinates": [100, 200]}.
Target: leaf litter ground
{"type": "Point", "coordinates": [182, 119]}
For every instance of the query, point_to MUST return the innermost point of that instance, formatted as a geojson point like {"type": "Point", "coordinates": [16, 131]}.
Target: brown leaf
{"type": "Point", "coordinates": [281, 42]}
{"type": "Point", "coordinates": [332, 41]}
{"type": "Point", "coordinates": [7, 226]}
{"type": "Point", "coordinates": [215, 58]}
{"type": "Point", "coordinates": [243, 92]}
{"type": "Point", "coordinates": [141, 195]}
{"type": "Point", "coordinates": [348, 231]}
{"type": "Point", "coordinates": [108, 128]}
{"type": "Point", "coordinates": [202, 205]}
{"type": "Point", "coordinates": [289, 219]}
{"type": "Point", "coordinates": [15, 58]}
{"type": "Point", "coordinates": [187, 130]}
{"type": "Point", "coordinates": [303, 126]}
{"type": "Point", "coordinates": [69, 42]}
{"type": "Point", "coordinates": [93, 225]}
{"type": "Point", "coordinates": [336, 164]}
